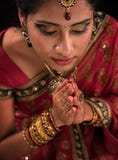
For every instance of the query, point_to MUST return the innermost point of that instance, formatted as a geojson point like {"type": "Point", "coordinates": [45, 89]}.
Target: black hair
{"type": "Point", "coordinates": [95, 3]}
{"type": "Point", "coordinates": [31, 6]}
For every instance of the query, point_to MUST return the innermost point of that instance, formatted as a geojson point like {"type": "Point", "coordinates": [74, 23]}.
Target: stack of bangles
{"type": "Point", "coordinates": [41, 130]}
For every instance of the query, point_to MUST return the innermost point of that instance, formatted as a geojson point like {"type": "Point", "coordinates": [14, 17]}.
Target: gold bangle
{"type": "Point", "coordinates": [95, 116]}
{"type": "Point", "coordinates": [26, 139]}
{"type": "Point", "coordinates": [48, 126]}
{"type": "Point", "coordinates": [37, 140]}
{"type": "Point", "coordinates": [37, 132]}
{"type": "Point", "coordinates": [41, 131]}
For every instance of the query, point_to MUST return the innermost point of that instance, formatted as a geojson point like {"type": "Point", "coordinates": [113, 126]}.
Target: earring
{"type": "Point", "coordinates": [25, 35]}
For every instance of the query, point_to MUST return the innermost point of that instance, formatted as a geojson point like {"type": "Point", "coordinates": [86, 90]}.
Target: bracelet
{"type": "Point", "coordinates": [27, 139]}
{"type": "Point", "coordinates": [36, 136]}
{"type": "Point", "coordinates": [42, 129]}
{"type": "Point", "coordinates": [95, 117]}
{"type": "Point", "coordinates": [48, 125]}
{"type": "Point", "coordinates": [53, 122]}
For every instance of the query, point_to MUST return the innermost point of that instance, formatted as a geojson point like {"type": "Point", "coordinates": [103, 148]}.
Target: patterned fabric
{"type": "Point", "coordinates": [96, 75]}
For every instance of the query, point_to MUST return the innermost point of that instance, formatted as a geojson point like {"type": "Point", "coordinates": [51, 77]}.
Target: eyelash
{"type": "Point", "coordinates": [77, 32]}
{"type": "Point", "coordinates": [82, 31]}
{"type": "Point", "coordinates": [42, 30]}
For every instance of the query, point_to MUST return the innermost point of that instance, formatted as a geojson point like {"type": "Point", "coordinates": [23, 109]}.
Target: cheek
{"type": "Point", "coordinates": [83, 42]}
{"type": "Point", "coordinates": [41, 46]}
{"type": "Point", "coordinates": [39, 43]}
{"type": "Point", "coordinates": [36, 40]}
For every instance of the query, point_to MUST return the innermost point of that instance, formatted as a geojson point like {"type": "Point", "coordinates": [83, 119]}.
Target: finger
{"type": "Point", "coordinates": [70, 89]}
{"type": "Point", "coordinates": [61, 85]}
{"type": "Point", "coordinates": [71, 116]}
{"type": "Point", "coordinates": [76, 101]}
{"type": "Point", "coordinates": [69, 102]}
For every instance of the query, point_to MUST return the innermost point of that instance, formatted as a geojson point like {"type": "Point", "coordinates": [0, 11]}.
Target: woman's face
{"type": "Point", "coordinates": [58, 42]}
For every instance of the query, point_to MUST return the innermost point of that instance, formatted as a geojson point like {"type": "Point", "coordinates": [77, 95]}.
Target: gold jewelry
{"type": "Point", "coordinates": [42, 129]}
{"type": "Point", "coordinates": [48, 124]}
{"type": "Point", "coordinates": [57, 47]}
{"type": "Point", "coordinates": [95, 117]}
{"type": "Point", "coordinates": [55, 81]}
{"type": "Point", "coordinates": [67, 4]}
{"type": "Point", "coordinates": [49, 130]}
{"type": "Point", "coordinates": [25, 35]}
{"type": "Point", "coordinates": [27, 139]}
{"type": "Point", "coordinates": [81, 97]}
{"type": "Point", "coordinates": [57, 78]}
{"type": "Point", "coordinates": [34, 135]}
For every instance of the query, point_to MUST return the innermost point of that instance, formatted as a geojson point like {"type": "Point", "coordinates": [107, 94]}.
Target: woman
{"type": "Point", "coordinates": [58, 85]}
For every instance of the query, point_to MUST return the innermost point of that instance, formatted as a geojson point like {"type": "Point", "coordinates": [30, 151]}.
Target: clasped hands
{"type": "Point", "coordinates": [68, 105]}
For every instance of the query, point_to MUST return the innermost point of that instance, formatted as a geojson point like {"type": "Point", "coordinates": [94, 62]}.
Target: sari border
{"type": "Point", "coordinates": [78, 147]}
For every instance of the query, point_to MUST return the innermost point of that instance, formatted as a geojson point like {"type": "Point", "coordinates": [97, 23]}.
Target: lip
{"type": "Point", "coordinates": [62, 61]}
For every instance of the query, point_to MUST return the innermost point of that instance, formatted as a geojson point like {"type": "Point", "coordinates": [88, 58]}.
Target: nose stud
{"type": "Point", "coordinates": [57, 47]}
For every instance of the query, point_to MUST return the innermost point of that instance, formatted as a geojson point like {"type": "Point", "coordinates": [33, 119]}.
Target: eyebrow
{"type": "Point", "coordinates": [55, 24]}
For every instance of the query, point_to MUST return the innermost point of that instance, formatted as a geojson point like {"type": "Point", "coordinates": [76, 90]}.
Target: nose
{"type": "Point", "coordinates": [64, 46]}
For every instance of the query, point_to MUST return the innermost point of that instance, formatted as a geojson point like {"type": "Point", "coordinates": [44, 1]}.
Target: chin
{"type": "Point", "coordinates": [63, 69]}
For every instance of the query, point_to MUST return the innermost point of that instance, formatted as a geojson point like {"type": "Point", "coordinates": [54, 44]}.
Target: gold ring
{"type": "Point", "coordinates": [81, 97]}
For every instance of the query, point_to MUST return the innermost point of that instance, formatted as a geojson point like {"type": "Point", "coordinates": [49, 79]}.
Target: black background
{"type": "Point", "coordinates": [8, 11]}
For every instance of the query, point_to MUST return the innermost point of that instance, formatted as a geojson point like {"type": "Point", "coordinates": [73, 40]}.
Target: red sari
{"type": "Point", "coordinates": [96, 75]}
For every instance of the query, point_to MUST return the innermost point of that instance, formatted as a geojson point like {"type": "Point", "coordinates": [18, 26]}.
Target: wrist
{"type": "Point", "coordinates": [92, 115]}
{"type": "Point", "coordinates": [88, 112]}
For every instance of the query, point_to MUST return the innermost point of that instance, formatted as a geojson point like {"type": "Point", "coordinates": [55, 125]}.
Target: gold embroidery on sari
{"type": "Point", "coordinates": [102, 76]}
{"type": "Point", "coordinates": [106, 51]}
{"type": "Point", "coordinates": [110, 29]}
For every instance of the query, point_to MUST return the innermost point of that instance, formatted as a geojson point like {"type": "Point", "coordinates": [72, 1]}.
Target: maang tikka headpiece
{"type": "Point", "coordinates": [67, 4]}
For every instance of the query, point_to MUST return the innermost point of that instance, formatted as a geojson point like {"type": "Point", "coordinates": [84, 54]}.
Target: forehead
{"type": "Point", "coordinates": [52, 11]}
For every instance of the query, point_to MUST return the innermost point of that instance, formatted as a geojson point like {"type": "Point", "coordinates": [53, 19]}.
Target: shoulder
{"type": "Point", "coordinates": [13, 44]}
{"type": "Point", "coordinates": [11, 39]}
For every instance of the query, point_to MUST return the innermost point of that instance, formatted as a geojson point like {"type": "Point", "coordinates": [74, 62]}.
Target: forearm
{"type": "Point", "coordinates": [14, 146]}
{"type": "Point", "coordinates": [41, 130]}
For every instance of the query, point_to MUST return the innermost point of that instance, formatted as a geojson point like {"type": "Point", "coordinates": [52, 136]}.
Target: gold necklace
{"type": "Point", "coordinates": [57, 78]}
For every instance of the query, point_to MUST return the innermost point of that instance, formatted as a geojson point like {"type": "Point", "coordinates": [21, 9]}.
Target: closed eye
{"type": "Point", "coordinates": [80, 28]}
{"type": "Point", "coordinates": [46, 29]}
